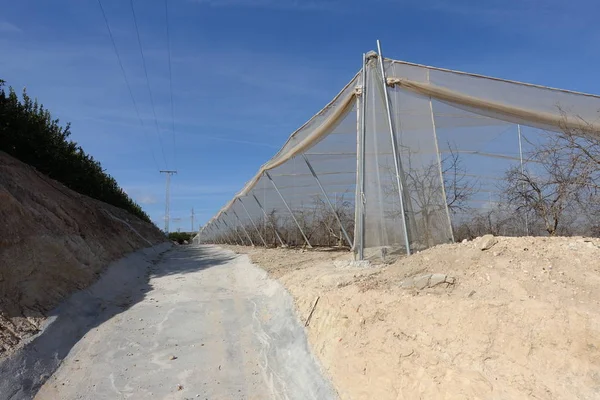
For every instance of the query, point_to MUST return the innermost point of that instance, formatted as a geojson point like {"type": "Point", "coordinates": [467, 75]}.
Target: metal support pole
{"type": "Point", "coordinates": [228, 229]}
{"type": "Point", "coordinates": [522, 173]}
{"type": "Point", "coordinates": [167, 198]}
{"type": "Point", "coordinates": [337, 217]}
{"type": "Point", "coordinates": [439, 160]}
{"type": "Point", "coordinates": [253, 224]}
{"type": "Point", "coordinates": [214, 232]}
{"type": "Point", "coordinates": [222, 233]}
{"type": "Point", "coordinates": [217, 231]}
{"type": "Point", "coordinates": [289, 209]}
{"type": "Point", "coordinates": [267, 219]}
{"type": "Point", "coordinates": [216, 235]}
{"type": "Point", "coordinates": [397, 164]}
{"type": "Point", "coordinates": [243, 227]}
{"type": "Point", "coordinates": [210, 232]}
{"type": "Point", "coordinates": [235, 229]}
{"type": "Point", "coordinates": [359, 202]}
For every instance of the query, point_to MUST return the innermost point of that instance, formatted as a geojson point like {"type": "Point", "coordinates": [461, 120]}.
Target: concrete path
{"type": "Point", "coordinates": [210, 326]}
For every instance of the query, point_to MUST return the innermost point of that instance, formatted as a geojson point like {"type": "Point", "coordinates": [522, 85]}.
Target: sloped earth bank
{"type": "Point", "coordinates": [53, 242]}
{"type": "Point", "coordinates": [519, 320]}
{"type": "Point", "coordinates": [210, 325]}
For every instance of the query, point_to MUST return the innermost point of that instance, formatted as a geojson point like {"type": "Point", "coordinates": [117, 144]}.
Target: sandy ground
{"type": "Point", "coordinates": [210, 325]}
{"type": "Point", "coordinates": [520, 320]}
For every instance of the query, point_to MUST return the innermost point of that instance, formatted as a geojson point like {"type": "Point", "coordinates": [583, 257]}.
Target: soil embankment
{"type": "Point", "coordinates": [53, 242]}
{"type": "Point", "coordinates": [495, 318]}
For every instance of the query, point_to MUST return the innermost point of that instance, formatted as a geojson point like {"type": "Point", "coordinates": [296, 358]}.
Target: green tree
{"type": "Point", "coordinates": [29, 133]}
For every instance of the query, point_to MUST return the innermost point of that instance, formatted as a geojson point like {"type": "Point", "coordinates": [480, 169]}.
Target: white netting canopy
{"type": "Point", "coordinates": [398, 160]}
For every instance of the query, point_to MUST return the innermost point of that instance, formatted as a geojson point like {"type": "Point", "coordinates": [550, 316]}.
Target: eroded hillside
{"type": "Point", "coordinates": [53, 241]}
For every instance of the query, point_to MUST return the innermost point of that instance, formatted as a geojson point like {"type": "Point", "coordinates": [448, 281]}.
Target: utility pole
{"type": "Point", "coordinates": [167, 197]}
{"type": "Point", "coordinates": [192, 220]}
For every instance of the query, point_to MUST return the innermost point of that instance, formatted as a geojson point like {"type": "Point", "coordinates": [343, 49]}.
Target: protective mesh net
{"type": "Point", "coordinates": [405, 160]}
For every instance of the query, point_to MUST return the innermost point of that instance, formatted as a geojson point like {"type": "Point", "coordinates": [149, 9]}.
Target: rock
{"type": "Point", "coordinates": [464, 241]}
{"type": "Point", "coordinates": [172, 358]}
{"type": "Point", "coordinates": [408, 283]}
{"type": "Point", "coordinates": [421, 282]}
{"type": "Point", "coordinates": [487, 242]}
{"type": "Point", "coordinates": [437, 279]}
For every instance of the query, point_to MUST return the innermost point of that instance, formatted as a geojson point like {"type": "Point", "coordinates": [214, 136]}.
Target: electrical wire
{"type": "Point", "coordinates": [148, 82]}
{"type": "Point", "coordinates": [135, 106]}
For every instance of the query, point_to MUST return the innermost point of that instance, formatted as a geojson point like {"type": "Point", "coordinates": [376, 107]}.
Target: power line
{"type": "Point", "coordinates": [137, 111]}
{"type": "Point", "coordinates": [148, 82]}
{"type": "Point", "coordinates": [170, 79]}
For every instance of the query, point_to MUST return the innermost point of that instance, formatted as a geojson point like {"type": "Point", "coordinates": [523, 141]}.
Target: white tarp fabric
{"type": "Point", "coordinates": [338, 176]}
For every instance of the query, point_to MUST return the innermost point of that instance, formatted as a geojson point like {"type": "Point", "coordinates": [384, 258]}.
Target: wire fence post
{"type": "Point", "coordinates": [337, 217]}
{"type": "Point", "coordinates": [267, 220]}
{"type": "Point", "coordinates": [289, 209]}
{"type": "Point", "coordinates": [253, 224]}
{"type": "Point", "coordinates": [397, 163]}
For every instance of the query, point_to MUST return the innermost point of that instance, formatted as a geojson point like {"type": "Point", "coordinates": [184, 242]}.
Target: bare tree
{"type": "Point", "coordinates": [585, 141]}
{"type": "Point", "coordinates": [459, 187]}
{"type": "Point", "coordinates": [425, 190]}
{"type": "Point", "coordinates": [558, 176]}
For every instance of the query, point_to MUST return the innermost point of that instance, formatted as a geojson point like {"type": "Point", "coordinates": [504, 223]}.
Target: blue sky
{"type": "Point", "coordinates": [247, 73]}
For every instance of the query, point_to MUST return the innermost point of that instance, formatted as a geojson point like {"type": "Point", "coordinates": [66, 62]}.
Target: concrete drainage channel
{"type": "Point", "coordinates": [208, 325]}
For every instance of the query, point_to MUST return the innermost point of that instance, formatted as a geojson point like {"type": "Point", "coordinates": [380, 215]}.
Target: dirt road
{"type": "Point", "coordinates": [210, 325]}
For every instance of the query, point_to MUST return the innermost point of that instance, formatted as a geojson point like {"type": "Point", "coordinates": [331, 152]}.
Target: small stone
{"type": "Point", "coordinates": [464, 241]}
{"type": "Point", "coordinates": [172, 358]}
{"type": "Point", "coordinates": [487, 242]}
{"type": "Point", "coordinates": [472, 293]}
{"type": "Point", "coordinates": [179, 387]}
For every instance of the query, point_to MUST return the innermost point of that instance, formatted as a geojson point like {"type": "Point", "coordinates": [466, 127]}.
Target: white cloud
{"type": "Point", "coordinates": [8, 27]}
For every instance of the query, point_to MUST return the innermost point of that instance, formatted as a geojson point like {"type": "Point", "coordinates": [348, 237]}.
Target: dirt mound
{"type": "Point", "coordinates": [53, 241]}
{"type": "Point", "coordinates": [518, 320]}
